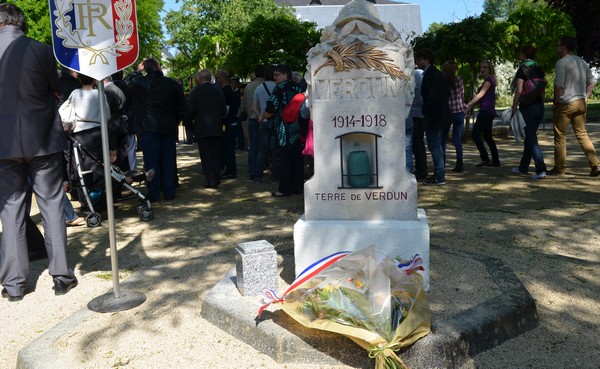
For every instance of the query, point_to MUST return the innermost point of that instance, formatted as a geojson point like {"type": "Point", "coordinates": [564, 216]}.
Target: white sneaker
{"type": "Point", "coordinates": [539, 175]}
{"type": "Point", "coordinates": [516, 170]}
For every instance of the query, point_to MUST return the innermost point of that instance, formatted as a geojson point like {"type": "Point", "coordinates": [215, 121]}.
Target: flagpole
{"type": "Point", "coordinates": [117, 300]}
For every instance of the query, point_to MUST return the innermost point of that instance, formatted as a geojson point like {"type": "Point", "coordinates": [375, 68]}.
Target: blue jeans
{"type": "Point", "coordinates": [458, 128]}
{"type": "Point", "coordinates": [483, 126]}
{"type": "Point", "coordinates": [408, 144]}
{"type": "Point", "coordinates": [160, 154]}
{"type": "Point", "coordinates": [434, 143]}
{"type": "Point", "coordinates": [253, 135]}
{"type": "Point", "coordinates": [70, 213]}
{"type": "Point", "coordinates": [533, 116]}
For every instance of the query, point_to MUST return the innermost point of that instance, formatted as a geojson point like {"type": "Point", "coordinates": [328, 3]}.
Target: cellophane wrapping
{"type": "Point", "coordinates": [368, 298]}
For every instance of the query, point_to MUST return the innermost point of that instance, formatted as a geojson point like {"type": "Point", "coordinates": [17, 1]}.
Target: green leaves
{"type": "Point", "coordinates": [268, 40]}
{"type": "Point", "coordinates": [237, 35]}
{"type": "Point", "coordinates": [538, 25]}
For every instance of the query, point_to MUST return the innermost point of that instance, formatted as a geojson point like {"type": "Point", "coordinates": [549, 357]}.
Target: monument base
{"type": "Point", "coordinates": [315, 239]}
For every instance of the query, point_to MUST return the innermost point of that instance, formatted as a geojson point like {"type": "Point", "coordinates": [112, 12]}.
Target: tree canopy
{"type": "Point", "coordinates": [538, 25]}
{"type": "Point", "coordinates": [499, 39]}
{"type": "Point", "coordinates": [236, 35]}
{"type": "Point", "coordinates": [261, 42]}
{"type": "Point", "coordinates": [586, 19]}
{"type": "Point", "coordinates": [501, 8]}
{"type": "Point", "coordinates": [467, 42]}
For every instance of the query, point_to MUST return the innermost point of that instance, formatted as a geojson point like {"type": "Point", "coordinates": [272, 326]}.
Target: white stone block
{"type": "Point", "coordinates": [314, 240]}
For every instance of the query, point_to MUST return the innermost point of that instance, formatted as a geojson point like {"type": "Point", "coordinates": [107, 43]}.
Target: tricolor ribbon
{"type": "Point", "coordinates": [416, 263]}
{"type": "Point", "coordinates": [270, 297]}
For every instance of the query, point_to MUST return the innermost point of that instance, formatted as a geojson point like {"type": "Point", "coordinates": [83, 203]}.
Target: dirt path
{"type": "Point", "coordinates": [546, 231]}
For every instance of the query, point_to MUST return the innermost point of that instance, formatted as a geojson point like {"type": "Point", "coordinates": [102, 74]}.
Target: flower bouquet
{"type": "Point", "coordinates": [364, 295]}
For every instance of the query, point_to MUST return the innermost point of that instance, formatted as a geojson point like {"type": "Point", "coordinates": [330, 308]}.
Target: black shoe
{"type": "Point", "coordinates": [555, 172]}
{"type": "Point", "coordinates": [432, 181]}
{"type": "Point", "coordinates": [484, 163]}
{"type": "Point", "coordinates": [494, 164]}
{"type": "Point", "coordinates": [61, 288]}
{"type": "Point", "coordinates": [595, 171]}
{"type": "Point", "coordinates": [11, 298]}
{"type": "Point", "coordinates": [279, 194]}
{"type": "Point", "coordinates": [459, 167]}
{"type": "Point", "coordinates": [228, 176]}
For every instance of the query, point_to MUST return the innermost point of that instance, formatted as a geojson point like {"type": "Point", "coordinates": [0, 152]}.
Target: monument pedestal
{"type": "Point", "coordinates": [316, 239]}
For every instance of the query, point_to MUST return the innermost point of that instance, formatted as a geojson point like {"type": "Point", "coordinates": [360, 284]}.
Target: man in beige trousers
{"type": "Point", "coordinates": [573, 85]}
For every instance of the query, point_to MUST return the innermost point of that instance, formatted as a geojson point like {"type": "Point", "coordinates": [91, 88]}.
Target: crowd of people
{"type": "Point", "coordinates": [268, 117]}
{"type": "Point", "coordinates": [221, 112]}
{"type": "Point", "coordinates": [439, 105]}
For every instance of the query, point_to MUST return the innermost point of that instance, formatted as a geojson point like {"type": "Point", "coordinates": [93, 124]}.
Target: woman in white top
{"type": "Point", "coordinates": [86, 105]}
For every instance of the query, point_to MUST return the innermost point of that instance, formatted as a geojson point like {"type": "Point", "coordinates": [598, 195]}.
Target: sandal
{"type": "Point", "coordinates": [150, 175]}
{"type": "Point", "coordinates": [75, 222]}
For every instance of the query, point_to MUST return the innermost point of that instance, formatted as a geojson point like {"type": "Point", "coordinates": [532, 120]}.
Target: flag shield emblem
{"type": "Point", "coordinates": [94, 37]}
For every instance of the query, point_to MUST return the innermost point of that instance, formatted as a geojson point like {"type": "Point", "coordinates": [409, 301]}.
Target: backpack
{"type": "Point", "coordinates": [289, 132]}
{"type": "Point", "coordinates": [533, 87]}
{"type": "Point", "coordinates": [292, 110]}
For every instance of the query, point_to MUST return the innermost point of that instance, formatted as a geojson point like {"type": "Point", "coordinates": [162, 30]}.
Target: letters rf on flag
{"type": "Point", "coordinates": [94, 37]}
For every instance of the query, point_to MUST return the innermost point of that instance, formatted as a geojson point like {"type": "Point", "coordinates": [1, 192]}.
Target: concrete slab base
{"type": "Point", "coordinates": [454, 340]}
{"type": "Point", "coordinates": [316, 239]}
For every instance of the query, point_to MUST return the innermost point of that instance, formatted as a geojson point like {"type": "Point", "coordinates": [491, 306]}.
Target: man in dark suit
{"type": "Point", "coordinates": [30, 154]}
{"type": "Point", "coordinates": [435, 93]}
{"type": "Point", "coordinates": [205, 114]}
{"type": "Point", "coordinates": [161, 105]}
{"type": "Point", "coordinates": [231, 125]}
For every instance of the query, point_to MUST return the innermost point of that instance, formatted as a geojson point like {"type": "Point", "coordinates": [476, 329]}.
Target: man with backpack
{"type": "Point", "coordinates": [286, 134]}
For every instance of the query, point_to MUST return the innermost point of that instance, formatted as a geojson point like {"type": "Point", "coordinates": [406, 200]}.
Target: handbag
{"type": "Point", "coordinates": [67, 115]}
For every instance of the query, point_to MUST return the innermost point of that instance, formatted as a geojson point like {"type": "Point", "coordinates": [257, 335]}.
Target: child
{"type": "Point", "coordinates": [129, 176]}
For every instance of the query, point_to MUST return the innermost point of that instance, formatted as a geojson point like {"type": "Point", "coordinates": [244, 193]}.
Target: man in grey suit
{"type": "Point", "coordinates": [31, 148]}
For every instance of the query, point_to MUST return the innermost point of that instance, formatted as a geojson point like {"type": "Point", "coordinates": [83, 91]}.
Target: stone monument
{"type": "Point", "coordinates": [360, 89]}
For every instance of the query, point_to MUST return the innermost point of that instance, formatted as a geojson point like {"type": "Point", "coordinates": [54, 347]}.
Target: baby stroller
{"type": "Point", "coordinates": [93, 218]}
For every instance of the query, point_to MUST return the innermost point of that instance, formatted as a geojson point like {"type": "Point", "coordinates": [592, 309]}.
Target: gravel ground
{"type": "Point", "coordinates": [546, 231]}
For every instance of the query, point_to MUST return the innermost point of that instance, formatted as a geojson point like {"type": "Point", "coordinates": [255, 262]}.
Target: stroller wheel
{"type": "Point", "coordinates": [146, 214]}
{"type": "Point", "coordinates": [93, 220]}
{"type": "Point", "coordinates": [139, 207]}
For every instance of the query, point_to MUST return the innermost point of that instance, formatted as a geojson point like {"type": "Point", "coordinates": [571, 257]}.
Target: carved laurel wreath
{"type": "Point", "coordinates": [360, 56]}
{"type": "Point", "coordinates": [73, 40]}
